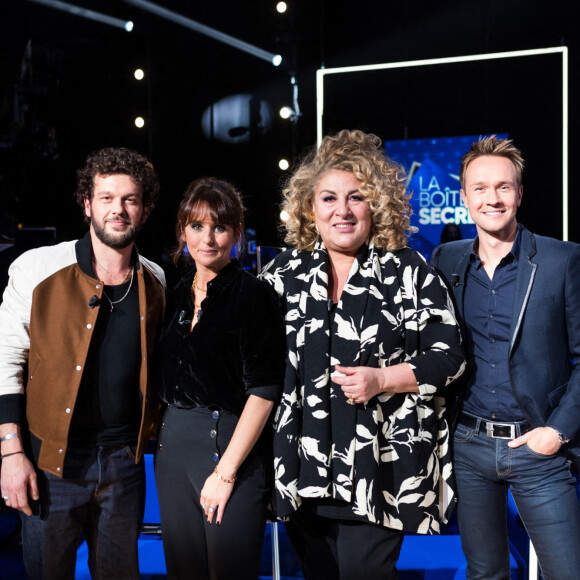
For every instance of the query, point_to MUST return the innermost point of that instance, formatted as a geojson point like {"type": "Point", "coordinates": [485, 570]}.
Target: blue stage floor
{"type": "Point", "coordinates": [422, 558]}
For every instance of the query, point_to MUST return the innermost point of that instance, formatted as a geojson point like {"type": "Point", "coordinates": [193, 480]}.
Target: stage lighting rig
{"type": "Point", "coordinates": [275, 59]}
{"type": "Point", "coordinates": [86, 13]}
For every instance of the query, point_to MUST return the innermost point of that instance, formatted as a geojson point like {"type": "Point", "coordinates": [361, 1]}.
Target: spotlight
{"type": "Point", "coordinates": [283, 164]}
{"type": "Point", "coordinates": [139, 122]}
{"type": "Point", "coordinates": [293, 113]}
{"type": "Point", "coordinates": [286, 112]}
{"type": "Point", "coordinates": [86, 13]}
{"type": "Point", "coordinates": [237, 118]}
{"type": "Point", "coordinates": [281, 7]}
{"type": "Point", "coordinates": [139, 74]}
{"type": "Point", "coordinates": [275, 59]}
{"type": "Point", "coordinates": [284, 216]}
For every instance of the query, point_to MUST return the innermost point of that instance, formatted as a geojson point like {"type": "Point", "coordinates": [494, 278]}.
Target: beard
{"type": "Point", "coordinates": [117, 240]}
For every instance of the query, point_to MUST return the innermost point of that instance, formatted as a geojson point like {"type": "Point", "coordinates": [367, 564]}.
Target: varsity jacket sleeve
{"type": "Point", "coordinates": [14, 340]}
{"type": "Point", "coordinates": [26, 272]}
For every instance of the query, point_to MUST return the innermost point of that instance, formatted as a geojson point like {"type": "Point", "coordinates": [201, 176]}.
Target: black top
{"type": "Point", "coordinates": [108, 407]}
{"type": "Point", "coordinates": [237, 348]}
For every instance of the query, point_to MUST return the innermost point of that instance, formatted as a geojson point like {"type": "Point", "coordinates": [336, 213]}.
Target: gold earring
{"type": "Point", "coordinates": [313, 217]}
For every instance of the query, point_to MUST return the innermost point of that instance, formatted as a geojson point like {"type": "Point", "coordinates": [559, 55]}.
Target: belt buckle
{"type": "Point", "coordinates": [489, 428]}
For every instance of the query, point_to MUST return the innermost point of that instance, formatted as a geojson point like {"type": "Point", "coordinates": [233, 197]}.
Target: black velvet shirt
{"type": "Point", "coordinates": [237, 349]}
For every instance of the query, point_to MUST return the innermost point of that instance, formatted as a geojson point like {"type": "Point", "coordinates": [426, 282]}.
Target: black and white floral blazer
{"type": "Point", "coordinates": [389, 459]}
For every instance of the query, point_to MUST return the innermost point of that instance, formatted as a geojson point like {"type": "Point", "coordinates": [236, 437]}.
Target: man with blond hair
{"type": "Point", "coordinates": [519, 298]}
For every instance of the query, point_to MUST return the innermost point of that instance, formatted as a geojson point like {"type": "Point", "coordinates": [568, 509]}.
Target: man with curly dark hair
{"type": "Point", "coordinates": [79, 320]}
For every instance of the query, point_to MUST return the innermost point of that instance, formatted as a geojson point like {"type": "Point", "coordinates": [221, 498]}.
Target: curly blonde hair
{"type": "Point", "coordinates": [382, 182]}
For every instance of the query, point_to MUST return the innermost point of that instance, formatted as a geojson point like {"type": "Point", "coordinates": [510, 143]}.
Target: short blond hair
{"type": "Point", "coordinates": [382, 182]}
{"type": "Point", "coordinates": [494, 147]}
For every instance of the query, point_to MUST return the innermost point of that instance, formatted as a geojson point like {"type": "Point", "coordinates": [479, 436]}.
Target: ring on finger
{"type": "Point", "coordinates": [5, 498]}
{"type": "Point", "coordinates": [212, 508]}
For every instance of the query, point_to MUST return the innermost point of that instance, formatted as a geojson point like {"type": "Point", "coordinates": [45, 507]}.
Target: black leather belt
{"type": "Point", "coordinates": [492, 429]}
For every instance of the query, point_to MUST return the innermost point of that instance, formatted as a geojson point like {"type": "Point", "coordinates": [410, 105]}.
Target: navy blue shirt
{"type": "Point", "coordinates": [488, 315]}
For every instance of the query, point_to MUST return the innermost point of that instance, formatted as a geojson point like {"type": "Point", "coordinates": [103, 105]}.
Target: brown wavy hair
{"type": "Point", "coordinates": [382, 182]}
{"type": "Point", "coordinates": [222, 201]}
{"type": "Point", "coordinates": [113, 161]}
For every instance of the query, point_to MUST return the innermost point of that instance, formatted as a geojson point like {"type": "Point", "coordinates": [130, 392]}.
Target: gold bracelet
{"type": "Point", "coordinates": [220, 476]}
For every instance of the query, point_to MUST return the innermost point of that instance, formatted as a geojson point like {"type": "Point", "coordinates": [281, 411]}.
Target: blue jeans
{"type": "Point", "coordinates": [543, 490]}
{"type": "Point", "coordinates": [103, 496]}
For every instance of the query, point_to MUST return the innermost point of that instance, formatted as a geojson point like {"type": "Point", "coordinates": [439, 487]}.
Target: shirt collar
{"type": "Point", "coordinates": [511, 256]}
{"type": "Point", "coordinates": [225, 276]}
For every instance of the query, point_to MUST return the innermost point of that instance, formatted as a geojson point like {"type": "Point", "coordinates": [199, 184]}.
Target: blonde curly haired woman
{"type": "Point", "coordinates": [361, 448]}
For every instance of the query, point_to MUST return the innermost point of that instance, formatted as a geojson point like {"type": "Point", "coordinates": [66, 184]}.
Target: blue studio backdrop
{"type": "Point", "coordinates": [432, 166]}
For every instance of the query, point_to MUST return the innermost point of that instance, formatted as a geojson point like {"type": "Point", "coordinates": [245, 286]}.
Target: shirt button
{"type": "Point", "coordinates": [160, 446]}
{"type": "Point", "coordinates": [493, 291]}
{"type": "Point", "coordinates": [492, 340]}
{"type": "Point", "coordinates": [492, 365]}
{"type": "Point", "coordinates": [60, 450]}
{"type": "Point", "coordinates": [493, 415]}
{"type": "Point", "coordinates": [216, 414]}
{"type": "Point", "coordinates": [67, 410]}
{"type": "Point", "coordinates": [213, 433]}
{"type": "Point", "coordinates": [58, 468]}
{"type": "Point", "coordinates": [78, 367]}
{"type": "Point", "coordinates": [215, 457]}
{"type": "Point", "coordinates": [89, 326]}
{"type": "Point", "coordinates": [491, 315]}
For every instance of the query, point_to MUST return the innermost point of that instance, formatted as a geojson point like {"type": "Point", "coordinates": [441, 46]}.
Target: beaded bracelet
{"type": "Point", "coordinates": [220, 476]}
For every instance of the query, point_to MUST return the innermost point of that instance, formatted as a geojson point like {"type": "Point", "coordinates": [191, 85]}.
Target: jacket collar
{"type": "Point", "coordinates": [524, 281]}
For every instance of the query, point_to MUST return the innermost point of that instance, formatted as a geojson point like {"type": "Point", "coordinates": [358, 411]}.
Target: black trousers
{"type": "Point", "coordinates": [190, 444]}
{"type": "Point", "coordinates": [332, 549]}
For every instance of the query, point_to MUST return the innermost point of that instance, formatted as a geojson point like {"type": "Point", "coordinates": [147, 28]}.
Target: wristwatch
{"type": "Point", "coordinates": [562, 438]}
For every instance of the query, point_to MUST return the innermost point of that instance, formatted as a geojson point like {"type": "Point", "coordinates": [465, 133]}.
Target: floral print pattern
{"type": "Point", "coordinates": [389, 458]}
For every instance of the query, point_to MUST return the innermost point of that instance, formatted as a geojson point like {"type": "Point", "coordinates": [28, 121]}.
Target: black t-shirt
{"type": "Point", "coordinates": [108, 407]}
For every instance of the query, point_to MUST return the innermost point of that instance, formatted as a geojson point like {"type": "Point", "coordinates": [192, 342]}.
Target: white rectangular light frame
{"type": "Point", "coordinates": [563, 50]}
